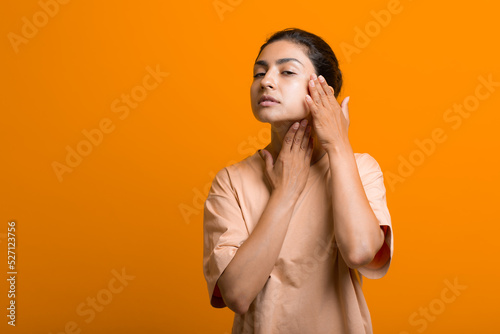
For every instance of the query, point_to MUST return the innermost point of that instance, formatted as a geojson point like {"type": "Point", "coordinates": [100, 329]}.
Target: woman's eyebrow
{"type": "Point", "coordinates": [278, 62]}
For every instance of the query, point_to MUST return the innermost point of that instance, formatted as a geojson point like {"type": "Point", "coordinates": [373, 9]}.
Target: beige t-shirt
{"type": "Point", "coordinates": [310, 289]}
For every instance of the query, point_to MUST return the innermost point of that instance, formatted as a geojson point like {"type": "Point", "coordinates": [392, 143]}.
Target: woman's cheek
{"type": "Point", "coordinates": [303, 103]}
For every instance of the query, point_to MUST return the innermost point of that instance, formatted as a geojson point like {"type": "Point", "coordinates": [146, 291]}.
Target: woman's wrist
{"type": "Point", "coordinates": [285, 199]}
{"type": "Point", "coordinates": [340, 151]}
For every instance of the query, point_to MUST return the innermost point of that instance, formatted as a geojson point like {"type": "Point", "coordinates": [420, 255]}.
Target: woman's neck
{"type": "Point", "coordinates": [277, 137]}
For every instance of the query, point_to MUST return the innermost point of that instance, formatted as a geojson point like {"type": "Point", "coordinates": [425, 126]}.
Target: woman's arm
{"type": "Point", "coordinates": [249, 270]}
{"type": "Point", "coordinates": [356, 227]}
{"type": "Point", "coordinates": [357, 231]}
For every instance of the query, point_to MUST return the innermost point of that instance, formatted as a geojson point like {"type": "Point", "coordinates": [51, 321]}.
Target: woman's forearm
{"type": "Point", "coordinates": [249, 270]}
{"type": "Point", "coordinates": [356, 227]}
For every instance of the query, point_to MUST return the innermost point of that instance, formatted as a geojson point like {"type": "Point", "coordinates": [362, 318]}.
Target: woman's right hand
{"type": "Point", "coordinates": [290, 171]}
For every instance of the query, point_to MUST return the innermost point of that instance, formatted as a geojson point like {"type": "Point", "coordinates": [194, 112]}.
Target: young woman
{"type": "Point", "coordinates": [290, 231]}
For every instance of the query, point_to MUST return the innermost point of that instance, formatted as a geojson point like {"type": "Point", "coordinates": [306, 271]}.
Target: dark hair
{"type": "Point", "coordinates": [319, 52]}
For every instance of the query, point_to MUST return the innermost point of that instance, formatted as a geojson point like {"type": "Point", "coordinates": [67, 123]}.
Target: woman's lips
{"type": "Point", "coordinates": [268, 103]}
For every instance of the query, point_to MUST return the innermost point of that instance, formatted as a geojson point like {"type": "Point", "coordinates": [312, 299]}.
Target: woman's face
{"type": "Point", "coordinates": [282, 71]}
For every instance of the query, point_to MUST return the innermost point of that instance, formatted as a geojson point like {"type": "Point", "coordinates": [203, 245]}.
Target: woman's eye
{"type": "Point", "coordinates": [259, 74]}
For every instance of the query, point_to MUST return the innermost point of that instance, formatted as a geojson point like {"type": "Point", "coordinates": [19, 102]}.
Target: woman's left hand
{"type": "Point", "coordinates": [330, 120]}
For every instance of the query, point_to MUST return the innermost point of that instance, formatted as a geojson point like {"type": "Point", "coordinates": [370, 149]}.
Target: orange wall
{"type": "Point", "coordinates": [67, 70]}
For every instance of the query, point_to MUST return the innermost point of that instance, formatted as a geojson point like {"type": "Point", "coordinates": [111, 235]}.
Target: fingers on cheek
{"type": "Point", "coordinates": [313, 110]}
{"type": "Point", "coordinates": [310, 103]}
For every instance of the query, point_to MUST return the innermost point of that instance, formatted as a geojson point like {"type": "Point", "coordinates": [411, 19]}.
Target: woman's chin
{"type": "Point", "coordinates": [278, 120]}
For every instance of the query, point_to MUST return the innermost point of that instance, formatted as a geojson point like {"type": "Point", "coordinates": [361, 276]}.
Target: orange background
{"type": "Point", "coordinates": [121, 206]}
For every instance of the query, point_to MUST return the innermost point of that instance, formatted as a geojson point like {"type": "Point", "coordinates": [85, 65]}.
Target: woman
{"type": "Point", "coordinates": [290, 231]}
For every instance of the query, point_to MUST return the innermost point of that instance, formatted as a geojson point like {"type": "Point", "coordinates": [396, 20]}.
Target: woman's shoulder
{"type": "Point", "coordinates": [242, 169]}
{"type": "Point", "coordinates": [250, 164]}
{"type": "Point", "coordinates": [366, 160]}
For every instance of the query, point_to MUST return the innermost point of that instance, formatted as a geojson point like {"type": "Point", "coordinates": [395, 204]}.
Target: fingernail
{"type": "Point", "coordinates": [321, 79]}
{"type": "Point", "coordinates": [315, 77]}
{"type": "Point", "coordinates": [312, 83]}
{"type": "Point", "coordinates": [296, 125]}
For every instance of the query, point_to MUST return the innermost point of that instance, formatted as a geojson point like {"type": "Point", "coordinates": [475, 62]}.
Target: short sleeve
{"type": "Point", "coordinates": [224, 230]}
{"type": "Point", "coordinates": [373, 183]}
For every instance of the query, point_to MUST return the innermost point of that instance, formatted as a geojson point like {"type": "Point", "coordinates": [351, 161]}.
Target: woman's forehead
{"type": "Point", "coordinates": [280, 50]}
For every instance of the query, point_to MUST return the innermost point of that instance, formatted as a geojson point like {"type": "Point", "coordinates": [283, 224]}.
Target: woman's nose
{"type": "Point", "coordinates": [268, 81]}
